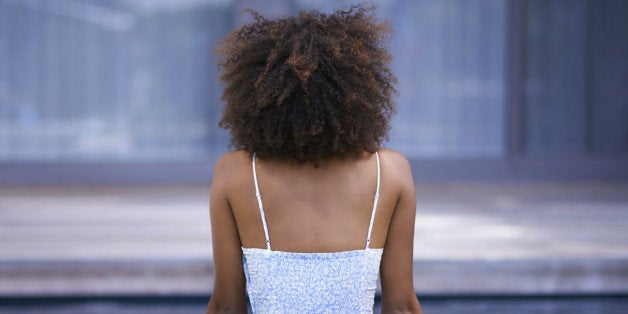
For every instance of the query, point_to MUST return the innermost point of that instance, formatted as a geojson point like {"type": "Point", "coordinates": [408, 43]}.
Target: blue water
{"type": "Point", "coordinates": [588, 305]}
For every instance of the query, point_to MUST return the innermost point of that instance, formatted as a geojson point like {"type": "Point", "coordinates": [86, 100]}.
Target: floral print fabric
{"type": "Point", "coordinates": [289, 282]}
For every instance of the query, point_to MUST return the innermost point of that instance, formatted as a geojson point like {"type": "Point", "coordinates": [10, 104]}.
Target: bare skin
{"type": "Point", "coordinates": [325, 209]}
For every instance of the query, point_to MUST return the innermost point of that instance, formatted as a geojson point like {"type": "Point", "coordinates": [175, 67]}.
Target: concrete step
{"type": "Point", "coordinates": [470, 238]}
{"type": "Point", "coordinates": [189, 277]}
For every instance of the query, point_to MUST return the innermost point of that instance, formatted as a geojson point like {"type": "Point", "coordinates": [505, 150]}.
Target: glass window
{"type": "Point", "coordinates": [449, 58]}
{"type": "Point", "coordinates": [114, 80]}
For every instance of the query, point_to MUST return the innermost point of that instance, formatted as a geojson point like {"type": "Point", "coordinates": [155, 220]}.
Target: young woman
{"type": "Point", "coordinates": [309, 210]}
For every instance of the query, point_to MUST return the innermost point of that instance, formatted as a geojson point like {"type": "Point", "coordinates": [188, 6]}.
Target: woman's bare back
{"type": "Point", "coordinates": [308, 209]}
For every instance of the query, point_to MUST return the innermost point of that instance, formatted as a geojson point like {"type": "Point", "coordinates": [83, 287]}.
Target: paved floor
{"type": "Point", "coordinates": [470, 238]}
{"type": "Point", "coordinates": [442, 306]}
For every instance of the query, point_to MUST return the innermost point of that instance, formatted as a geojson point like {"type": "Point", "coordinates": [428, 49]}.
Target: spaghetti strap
{"type": "Point", "coordinates": [259, 204]}
{"type": "Point", "coordinates": [263, 216]}
{"type": "Point", "coordinates": [376, 198]}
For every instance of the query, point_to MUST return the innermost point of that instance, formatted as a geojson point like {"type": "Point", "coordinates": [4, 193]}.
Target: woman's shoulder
{"type": "Point", "coordinates": [233, 158]}
{"type": "Point", "coordinates": [394, 160]}
{"type": "Point", "coordinates": [237, 163]}
{"type": "Point", "coordinates": [396, 168]}
{"type": "Point", "coordinates": [394, 156]}
{"type": "Point", "coordinates": [231, 166]}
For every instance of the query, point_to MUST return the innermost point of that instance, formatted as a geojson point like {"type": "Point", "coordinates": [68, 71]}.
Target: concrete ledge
{"type": "Point", "coordinates": [92, 278]}
{"type": "Point", "coordinates": [431, 277]}
{"type": "Point", "coordinates": [425, 170]}
{"type": "Point", "coordinates": [519, 277]}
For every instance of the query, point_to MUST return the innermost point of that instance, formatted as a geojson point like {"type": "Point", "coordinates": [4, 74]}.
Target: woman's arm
{"type": "Point", "coordinates": [229, 294]}
{"type": "Point", "coordinates": [398, 294]}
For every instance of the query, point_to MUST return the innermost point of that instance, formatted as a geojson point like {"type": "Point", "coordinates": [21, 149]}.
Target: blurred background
{"type": "Point", "coordinates": [513, 113]}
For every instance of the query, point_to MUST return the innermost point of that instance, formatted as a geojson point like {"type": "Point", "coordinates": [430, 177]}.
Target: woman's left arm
{"type": "Point", "coordinates": [229, 295]}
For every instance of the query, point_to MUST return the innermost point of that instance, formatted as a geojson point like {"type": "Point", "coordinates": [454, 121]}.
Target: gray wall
{"type": "Point", "coordinates": [576, 87]}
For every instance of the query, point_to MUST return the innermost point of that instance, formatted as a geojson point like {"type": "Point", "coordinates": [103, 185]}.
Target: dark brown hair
{"type": "Point", "coordinates": [308, 88]}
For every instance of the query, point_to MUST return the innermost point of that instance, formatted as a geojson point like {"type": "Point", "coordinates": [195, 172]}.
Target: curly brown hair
{"type": "Point", "coordinates": [308, 89]}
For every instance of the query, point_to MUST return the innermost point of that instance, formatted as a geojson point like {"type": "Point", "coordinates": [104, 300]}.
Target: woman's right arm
{"type": "Point", "coordinates": [229, 295]}
{"type": "Point", "coordinates": [398, 294]}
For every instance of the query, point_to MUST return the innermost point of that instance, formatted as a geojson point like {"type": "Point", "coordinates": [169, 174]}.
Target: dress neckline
{"type": "Point", "coordinates": [346, 252]}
